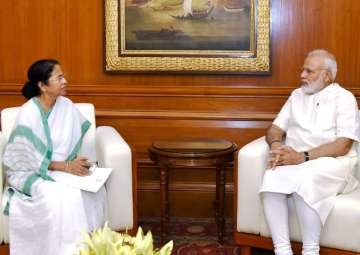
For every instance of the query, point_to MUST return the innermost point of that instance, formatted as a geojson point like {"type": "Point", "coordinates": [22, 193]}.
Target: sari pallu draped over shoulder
{"type": "Point", "coordinates": [37, 139]}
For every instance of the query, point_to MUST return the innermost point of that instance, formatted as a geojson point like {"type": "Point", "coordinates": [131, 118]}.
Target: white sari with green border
{"type": "Point", "coordinates": [46, 217]}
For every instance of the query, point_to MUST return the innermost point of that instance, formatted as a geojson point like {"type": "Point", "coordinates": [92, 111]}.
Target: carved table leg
{"type": "Point", "coordinates": [245, 250]}
{"type": "Point", "coordinates": [164, 201]}
{"type": "Point", "coordinates": [217, 198]}
{"type": "Point", "coordinates": [220, 181]}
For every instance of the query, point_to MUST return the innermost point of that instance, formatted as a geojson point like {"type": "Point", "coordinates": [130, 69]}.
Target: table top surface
{"type": "Point", "coordinates": [193, 145]}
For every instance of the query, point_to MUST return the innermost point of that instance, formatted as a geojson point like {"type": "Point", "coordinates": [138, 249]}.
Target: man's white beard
{"type": "Point", "coordinates": [313, 87]}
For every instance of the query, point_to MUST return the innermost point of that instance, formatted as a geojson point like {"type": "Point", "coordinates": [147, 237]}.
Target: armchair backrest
{"type": "Point", "coordinates": [9, 115]}
{"type": "Point", "coordinates": [357, 170]}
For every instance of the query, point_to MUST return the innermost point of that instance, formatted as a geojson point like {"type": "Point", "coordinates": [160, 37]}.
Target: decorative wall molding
{"type": "Point", "coordinates": [163, 90]}
{"type": "Point", "coordinates": [195, 115]}
{"type": "Point", "coordinates": [232, 91]}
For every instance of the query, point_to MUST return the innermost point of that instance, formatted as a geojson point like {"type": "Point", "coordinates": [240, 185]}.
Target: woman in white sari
{"type": "Point", "coordinates": [47, 217]}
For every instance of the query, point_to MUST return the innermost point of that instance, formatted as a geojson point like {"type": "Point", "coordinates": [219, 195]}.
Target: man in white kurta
{"type": "Point", "coordinates": [313, 153]}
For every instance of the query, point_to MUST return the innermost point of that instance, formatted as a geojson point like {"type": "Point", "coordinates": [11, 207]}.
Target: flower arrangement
{"type": "Point", "coordinates": [107, 242]}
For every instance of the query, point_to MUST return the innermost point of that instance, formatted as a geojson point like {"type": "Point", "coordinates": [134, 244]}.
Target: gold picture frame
{"type": "Point", "coordinates": [226, 36]}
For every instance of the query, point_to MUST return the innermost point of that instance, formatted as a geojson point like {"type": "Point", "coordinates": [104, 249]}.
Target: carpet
{"type": "Point", "coordinates": [196, 236]}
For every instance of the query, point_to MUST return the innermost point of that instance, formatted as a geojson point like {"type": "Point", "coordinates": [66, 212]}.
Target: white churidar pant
{"type": "Point", "coordinates": [276, 213]}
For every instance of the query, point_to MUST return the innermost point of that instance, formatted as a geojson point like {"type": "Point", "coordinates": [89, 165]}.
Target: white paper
{"type": "Point", "coordinates": [92, 182]}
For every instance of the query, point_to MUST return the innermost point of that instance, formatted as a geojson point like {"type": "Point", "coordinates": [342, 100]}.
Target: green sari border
{"type": "Point", "coordinates": [46, 162]}
{"type": "Point", "coordinates": [29, 182]}
{"type": "Point", "coordinates": [84, 128]}
{"type": "Point", "coordinates": [26, 132]}
{"type": "Point", "coordinates": [9, 192]}
{"type": "Point", "coordinates": [44, 114]}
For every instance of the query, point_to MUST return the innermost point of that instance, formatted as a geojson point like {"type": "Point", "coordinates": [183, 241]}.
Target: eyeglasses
{"type": "Point", "coordinates": [58, 78]}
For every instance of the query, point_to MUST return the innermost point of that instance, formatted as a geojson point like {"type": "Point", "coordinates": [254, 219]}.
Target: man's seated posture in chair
{"type": "Point", "coordinates": [312, 153]}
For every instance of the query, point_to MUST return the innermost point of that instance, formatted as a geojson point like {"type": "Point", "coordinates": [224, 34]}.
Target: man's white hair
{"type": "Point", "coordinates": [329, 60]}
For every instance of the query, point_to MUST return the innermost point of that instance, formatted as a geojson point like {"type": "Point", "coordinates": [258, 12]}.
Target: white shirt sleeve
{"type": "Point", "coordinates": [283, 117]}
{"type": "Point", "coordinates": [347, 118]}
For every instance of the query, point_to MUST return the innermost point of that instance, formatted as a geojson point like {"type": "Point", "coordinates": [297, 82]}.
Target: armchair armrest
{"type": "Point", "coordinates": [112, 151]}
{"type": "Point", "coordinates": [2, 173]}
{"type": "Point", "coordinates": [252, 160]}
{"type": "Point", "coordinates": [3, 218]}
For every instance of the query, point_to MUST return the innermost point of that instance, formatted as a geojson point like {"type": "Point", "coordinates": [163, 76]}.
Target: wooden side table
{"type": "Point", "coordinates": [192, 152]}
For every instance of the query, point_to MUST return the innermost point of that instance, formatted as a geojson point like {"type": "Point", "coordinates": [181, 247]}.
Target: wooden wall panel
{"type": "Point", "coordinates": [72, 31]}
{"type": "Point", "coordinates": [142, 132]}
{"type": "Point", "coordinates": [146, 107]}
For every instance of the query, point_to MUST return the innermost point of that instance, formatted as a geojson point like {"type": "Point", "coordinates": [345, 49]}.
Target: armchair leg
{"type": "Point", "coordinates": [245, 250]}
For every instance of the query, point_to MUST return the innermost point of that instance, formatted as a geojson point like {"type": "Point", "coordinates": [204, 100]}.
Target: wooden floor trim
{"type": "Point", "coordinates": [251, 240]}
{"type": "Point", "coordinates": [4, 249]}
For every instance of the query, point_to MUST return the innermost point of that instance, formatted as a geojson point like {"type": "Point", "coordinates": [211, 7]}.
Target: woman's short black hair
{"type": "Point", "coordinates": [39, 71]}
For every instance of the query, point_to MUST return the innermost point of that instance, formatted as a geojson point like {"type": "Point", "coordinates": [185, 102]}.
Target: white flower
{"type": "Point", "coordinates": [107, 242]}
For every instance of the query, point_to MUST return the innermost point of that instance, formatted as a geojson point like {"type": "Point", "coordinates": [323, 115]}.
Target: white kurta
{"type": "Point", "coordinates": [310, 121]}
{"type": "Point", "coordinates": [47, 217]}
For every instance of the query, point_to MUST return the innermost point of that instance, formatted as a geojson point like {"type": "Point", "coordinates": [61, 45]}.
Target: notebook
{"type": "Point", "coordinates": [92, 182]}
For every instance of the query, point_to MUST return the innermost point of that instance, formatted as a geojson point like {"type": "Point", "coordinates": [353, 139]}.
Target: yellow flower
{"type": "Point", "coordinates": [107, 242]}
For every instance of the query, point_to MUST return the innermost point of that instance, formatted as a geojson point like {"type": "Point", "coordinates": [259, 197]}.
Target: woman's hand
{"type": "Point", "coordinates": [79, 166]}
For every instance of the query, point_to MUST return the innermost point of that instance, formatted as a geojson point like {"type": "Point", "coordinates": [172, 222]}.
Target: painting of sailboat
{"type": "Point", "coordinates": [187, 26]}
{"type": "Point", "coordinates": [187, 36]}
{"type": "Point", "coordinates": [190, 13]}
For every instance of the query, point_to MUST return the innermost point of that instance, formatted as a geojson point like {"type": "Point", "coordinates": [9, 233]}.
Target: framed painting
{"type": "Point", "coordinates": [187, 36]}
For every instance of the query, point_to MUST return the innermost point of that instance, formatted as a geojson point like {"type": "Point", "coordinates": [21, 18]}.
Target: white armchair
{"type": "Point", "coordinates": [104, 145]}
{"type": "Point", "coordinates": [341, 233]}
